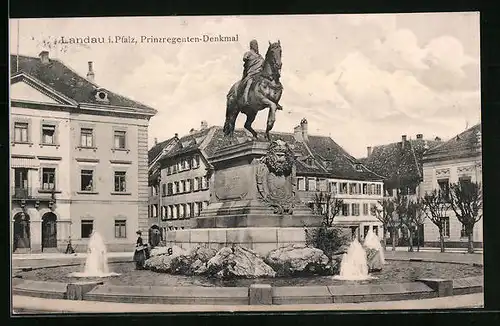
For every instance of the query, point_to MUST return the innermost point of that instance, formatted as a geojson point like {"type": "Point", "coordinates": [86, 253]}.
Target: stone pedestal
{"type": "Point", "coordinates": [253, 201]}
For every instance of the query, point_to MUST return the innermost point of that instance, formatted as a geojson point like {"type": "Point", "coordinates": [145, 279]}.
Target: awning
{"type": "Point", "coordinates": [30, 163]}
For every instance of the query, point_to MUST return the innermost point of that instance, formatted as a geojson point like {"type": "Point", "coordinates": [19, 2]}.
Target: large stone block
{"type": "Point", "coordinates": [76, 291]}
{"type": "Point", "coordinates": [291, 235]}
{"type": "Point", "coordinates": [217, 235]}
{"type": "Point", "coordinates": [444, 288]}
{"type": "Point", "coordinates": [199, 235]}
{"type": "Point", "coordinates": [182, 235]}
{"type": "Point", "coordinates": [260, 294]}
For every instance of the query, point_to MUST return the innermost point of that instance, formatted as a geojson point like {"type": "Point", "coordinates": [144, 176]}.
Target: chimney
{"type": "Point", "coordinates": [420, 136]}
{"type": "Point", "coordinates": [44, 57]}
{"type": "Point", "coordinates": [297, 133]}
{"type": "Point", "coordinates": [403, 141]}
{"type": "Point", "coordinates": [303, 127]}
{"type": "Point", "coordinates": [176, 135]}
{"type": "Point", "coordinates": [90, 73]}
{"type": "Point", "coordinates": [204, 125]}
{"type": "Point", "coordinates": [156, 141]}
{"type": "Point", "coordinates": [368, 151]}
{"type": "Point", "coordinates": [437, 139]}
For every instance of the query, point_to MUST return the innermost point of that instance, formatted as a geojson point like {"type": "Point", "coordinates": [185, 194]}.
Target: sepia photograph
{"type": "Point", "coordinates": [246, 163]}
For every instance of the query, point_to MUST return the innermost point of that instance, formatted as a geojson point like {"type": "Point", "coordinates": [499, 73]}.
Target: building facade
{"type": "Point", "coordinates": [322, 166]}
{"type": "Point", "coordinates": [456, 160]}
{"type": "Point", "coordinates": [78, 159]}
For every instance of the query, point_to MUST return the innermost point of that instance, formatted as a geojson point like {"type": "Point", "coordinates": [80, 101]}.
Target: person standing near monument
{"type": "Point", "coordinates": [252, 65]}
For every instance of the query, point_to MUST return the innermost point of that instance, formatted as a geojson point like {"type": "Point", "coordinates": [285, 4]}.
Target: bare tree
{"type": "Point", "coordinates": [436, 204]}
{"type": "Point", "coordinates": [401, 204]}
{"type": "Point", "coordinates": [417, 217]}
{"type": "Point", "coordinates": [384, 214]}
{"type": "Point", "coordinates": [327, 205]}
{"type": "Point", "coordinates": [466, 201]}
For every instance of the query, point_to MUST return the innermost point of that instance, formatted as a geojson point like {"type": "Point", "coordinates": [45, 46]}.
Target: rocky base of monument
{"type": "Point", "coordinates": [239, 262]}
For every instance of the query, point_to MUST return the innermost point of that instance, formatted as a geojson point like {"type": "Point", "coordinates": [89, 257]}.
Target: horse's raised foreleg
{"type": "Point", "coordinates": [248, 124]}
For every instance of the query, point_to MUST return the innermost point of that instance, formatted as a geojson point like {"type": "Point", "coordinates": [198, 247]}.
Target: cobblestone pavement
{"type": "Point", "coordinates": [38, 305]}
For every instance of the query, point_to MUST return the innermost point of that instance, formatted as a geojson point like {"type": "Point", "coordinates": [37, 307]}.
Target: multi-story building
{"type": "Point", "coordinates": [400, 163]}
{"type": "Point", "coordinates": [456, 160]}
{"type": "Point", "coordinates": [322, 166]}
{"type": "Point", "coordinates": [78, 159]}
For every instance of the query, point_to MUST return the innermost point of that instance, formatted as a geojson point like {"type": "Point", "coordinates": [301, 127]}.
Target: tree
{"type": "Point", "coordinates": [328, 206]}
{"type": "Point", "coordinates": [436, 204]}
{"type": "Point", "coordinates": [466, 201]}
{"type": "Point", "coordinates": [384, 214]}
{"type": "Point", "coordinates": [401, 207]}
{"type": "Point", "coordinates": [416, 216]}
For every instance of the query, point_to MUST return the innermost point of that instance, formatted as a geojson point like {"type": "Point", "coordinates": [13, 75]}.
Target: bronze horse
{"type": "Point", "coordinates": [265, 92]}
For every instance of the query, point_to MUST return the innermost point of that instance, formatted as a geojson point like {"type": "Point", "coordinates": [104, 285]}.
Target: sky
{"type": "Point", "coordinates": [363, 80]}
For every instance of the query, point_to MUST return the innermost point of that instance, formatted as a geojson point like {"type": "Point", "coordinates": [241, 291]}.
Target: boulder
{"type": "Point", "coordinates": [299, 260]}
{"type": "Point", "coordinates": [238, 262]}
{"type": "Point", "coordinates": [374, 260]}
{"type": "Point", "coordinates": [161, 261]}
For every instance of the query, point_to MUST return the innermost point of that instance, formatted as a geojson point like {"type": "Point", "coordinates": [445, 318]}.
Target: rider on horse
{"type": "Point", "coordinates": [252, 65]}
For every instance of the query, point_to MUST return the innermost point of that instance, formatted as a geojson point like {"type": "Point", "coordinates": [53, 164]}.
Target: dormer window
{"type": "Point", "coordinates": [101, 95]}
{"type": "Point", "coordinates": [358, 167]}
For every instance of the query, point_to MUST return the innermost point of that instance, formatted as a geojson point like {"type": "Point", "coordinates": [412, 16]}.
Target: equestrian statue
{"type": "Point", "coordinates": [260, 88]}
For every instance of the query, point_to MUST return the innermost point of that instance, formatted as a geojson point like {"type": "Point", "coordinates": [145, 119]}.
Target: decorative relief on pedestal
{"type": "Point", "coordinates": [275, 173]}
{"type": "Point", "coordinates": [442, 172]}
{"type": "Point", "coordinates": [229, 184]}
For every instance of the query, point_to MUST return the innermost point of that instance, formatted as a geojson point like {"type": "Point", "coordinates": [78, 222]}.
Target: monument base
{"type": "Point", "coordinates": [260, 239]}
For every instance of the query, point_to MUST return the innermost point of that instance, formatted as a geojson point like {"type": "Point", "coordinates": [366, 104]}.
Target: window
{"type": "Point", "coordinates": [119, 140]}
{"type": "Point", "coordinates": [200, 207]}
{"type": "Point", "coordinates": [189, 185]}
{"type": "Point", "coordinates": [87, 137]}
{"type": "Point", "coordinates": [375, 229]}
{"type": "Point", "coordinates": [365, 189]}
{"type": "Point", "coordinates": [444, 187]}
{"type": "Point", "coordinates": [163, 212]}
{"type": "Point", "coordinates": [183, 186]}
{"type": "Point", "coordinates": [352, 188]}
{"type": "Point", "coordinates": [322, 185]}
{"type": "Point", "coordinates": [191, 209]}
{"type": "Point", "coordinates": [120, 229]}
{"type": "Point", "coordinates": [87, 180]}
{"type": "Point", "coordinates": [301, 183]}
{"type": "Point", "coordinates": [196, 161]}
{"type": "Point", "coordinates": [155, 210]}
{"type": "Point", "coordinates": [170, 212]}
{"type": "Point", "coordinates": [366, 228]}
{"type": "Point", "coordinates": [21, 132]}
{"type": "Point", "coordinates": [48, 178]}
{"type": "Point", "coordinates": [345, 209]}
{"type": "Point", "coordinates": [187, 210]}
{"type": "Point", "coordinates": [87, 226]}
{"type": "Point", "coordinates": [365, 209]}
{"type": "Point", "coordinates": [205, 182]}
{"type": "Point", "coordinates": [463, 232]}
{"type": "Point", "coordinates": [332, 187]}
{"type": "Point", "coordinates": [164, 189]}
{"type": "Point", "coordinates": [170, 189]}
{"type": "Point", "coordinates": [343, 188]}
{"type": "Point", "coordinates": [373, 208]}
{"type": "Point", "coordinates": [182, 211]}
{"type": "Point", "coordinates": [378, 189]}
{"type": "Point", "coordinates": [311, 183]}
{"type": "Point", "coordinates": [174, 168]}
{"type": "Point", "coordinates": [355, 209]}
{"type": "Point", "coordinates": [464, 180]}
{"type": "Point", "coordinates": [48, 134]}
{"type": "Point", "coordinates": [196, 184]}
{"type": "Point", "coordinates": [445, 222]}
{"type": "Point", "coordinates": [169, 170]}
{"type": "Point", "coordinates": [177, 187]}
{"type": "Point", "coordinates": [120, 179]}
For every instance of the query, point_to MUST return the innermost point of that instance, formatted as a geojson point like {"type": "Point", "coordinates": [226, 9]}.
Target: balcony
{"type": "Point", "coordinates": [22, 192]}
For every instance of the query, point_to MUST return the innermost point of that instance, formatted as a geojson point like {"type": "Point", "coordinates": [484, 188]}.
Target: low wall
{"type": "Point", "coordinates": [259, 294]}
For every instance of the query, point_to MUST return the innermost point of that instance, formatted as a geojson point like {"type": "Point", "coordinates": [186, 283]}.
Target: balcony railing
{"type": "Point", "coordinates": [22, 192]}
{"type": "Point", "coordinates": [32, 193]}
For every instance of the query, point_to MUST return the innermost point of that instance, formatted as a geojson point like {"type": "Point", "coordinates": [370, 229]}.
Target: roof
{"type": "Point", "coordinates": [398, 164]}
{"type": "Point", "coordinates": [64, 80]}
{"type": "Point", "coordinates": [185, 144]}
{"type": "Point", "coordinates": [318, 156]}
{"type": "Point", "coordinates": [464, 144]}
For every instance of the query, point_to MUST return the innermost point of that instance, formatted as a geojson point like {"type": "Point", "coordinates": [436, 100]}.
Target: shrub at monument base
{"type": "Point", "coordinates": [331, 240]}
